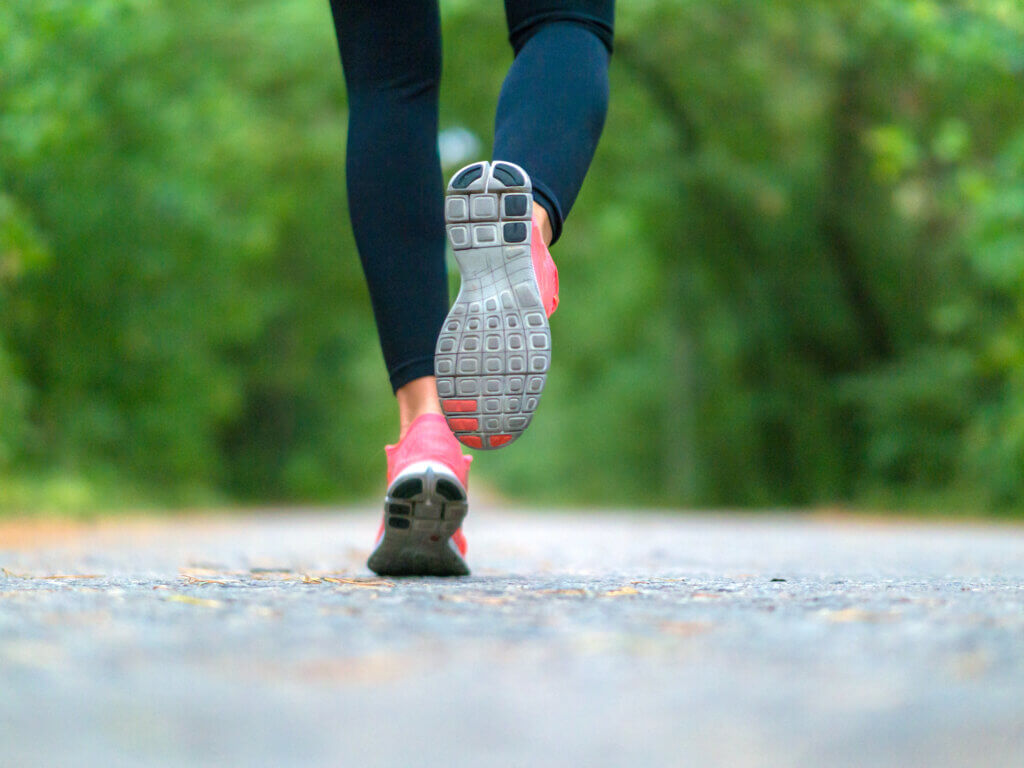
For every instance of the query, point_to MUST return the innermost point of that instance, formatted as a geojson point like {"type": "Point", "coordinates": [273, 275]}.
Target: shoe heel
{"type": "Point", "coordinates": [423, 509]}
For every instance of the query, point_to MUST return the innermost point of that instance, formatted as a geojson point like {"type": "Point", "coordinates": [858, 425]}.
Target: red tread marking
{"type": "Point", "coordinates": [463, 425]}
{"type": "Point", "coordinates": [473, 441]}
{"type": "Point", "coordinates": [460, 406]}
{"type": "Point", "coordinates": [498, 440]}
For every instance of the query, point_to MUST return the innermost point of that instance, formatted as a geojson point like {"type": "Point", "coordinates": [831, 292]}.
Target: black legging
{"type": "Point", "coordinates": [550, 114]}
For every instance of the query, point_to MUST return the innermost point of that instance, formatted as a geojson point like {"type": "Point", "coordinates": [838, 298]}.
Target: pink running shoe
{"type": "Point", "coordinates": [494, 349]}
{"type": "Point", "coordinates": [421, 534]}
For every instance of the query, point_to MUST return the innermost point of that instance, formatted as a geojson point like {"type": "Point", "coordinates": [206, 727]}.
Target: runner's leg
{"type": "Point", "coordinates": [391, 55]}
{"type": "Point", "coordinates": [553, 103]}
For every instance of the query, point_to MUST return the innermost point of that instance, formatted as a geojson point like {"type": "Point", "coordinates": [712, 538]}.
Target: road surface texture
{"type": "Point", "coordinates": [586, 639]}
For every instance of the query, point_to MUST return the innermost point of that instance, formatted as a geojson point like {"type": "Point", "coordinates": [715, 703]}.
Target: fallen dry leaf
{"type": "Point", "coordinates": [53, 577]}
{"type": "Point", "coordinates": [364, 583]}
{"type": "Point", "coordinates": [574, 592]}
{"type": "Point", "coordinates": [620, 592]}
{"type": "Point", "coordinates": [200, 601]}
{"type": "Point", "coordinates": [275, 576]}
{"type": "Point", "coordinates": [194, 580]}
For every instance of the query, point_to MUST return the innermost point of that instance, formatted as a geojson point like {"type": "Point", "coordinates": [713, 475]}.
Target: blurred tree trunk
{"type": "Point", "coordinates": [681, 459]}
{"type": "Point", "coordinates": [840, 210]}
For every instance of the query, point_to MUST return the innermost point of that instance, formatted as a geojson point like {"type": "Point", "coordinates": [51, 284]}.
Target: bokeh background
{"type": "Point", "coordinates": [795, 276]}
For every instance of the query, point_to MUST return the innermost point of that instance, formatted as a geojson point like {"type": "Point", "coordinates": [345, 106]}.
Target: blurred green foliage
{"type": "Point", "coordinates": [795, 274]}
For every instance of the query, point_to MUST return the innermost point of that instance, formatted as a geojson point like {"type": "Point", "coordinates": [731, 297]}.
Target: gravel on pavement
{"type": "Point", "coordinates": [581, 639]}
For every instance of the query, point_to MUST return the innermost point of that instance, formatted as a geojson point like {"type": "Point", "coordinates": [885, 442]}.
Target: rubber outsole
{"type": "Point", "coordinates": [423, 508]}
{"type": "Point", "coordinates": [494, 350]}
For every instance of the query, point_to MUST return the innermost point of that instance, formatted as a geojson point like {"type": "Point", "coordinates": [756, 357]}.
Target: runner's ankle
{"type": "Point", "coordinates": [416, 398]}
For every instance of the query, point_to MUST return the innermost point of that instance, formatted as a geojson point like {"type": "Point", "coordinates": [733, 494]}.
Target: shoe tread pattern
{"type": "Point", "coordinates": [494, 349]}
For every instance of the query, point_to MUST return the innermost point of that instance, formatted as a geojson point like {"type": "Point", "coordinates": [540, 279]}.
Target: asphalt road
{"type": "Point", "coordinates": [588, 639]}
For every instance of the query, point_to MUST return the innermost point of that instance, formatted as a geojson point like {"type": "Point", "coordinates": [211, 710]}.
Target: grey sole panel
{"type": "Point", "coordinates": [421, 512]}
{"type": "Point", "coordinates": [494, 349]}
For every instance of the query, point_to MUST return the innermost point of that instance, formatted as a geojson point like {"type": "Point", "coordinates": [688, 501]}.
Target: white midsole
{"type": "Point", "coordinates": [419, 469]}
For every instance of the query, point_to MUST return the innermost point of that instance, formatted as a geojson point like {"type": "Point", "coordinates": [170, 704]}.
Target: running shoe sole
{"type": "Point", "coordinates": [494, 349]}
{"type": "Point", "coordinates": [424, 506]}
